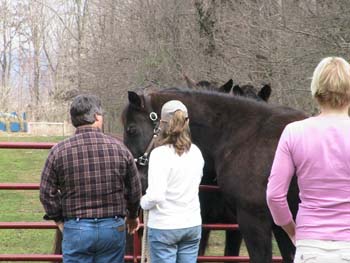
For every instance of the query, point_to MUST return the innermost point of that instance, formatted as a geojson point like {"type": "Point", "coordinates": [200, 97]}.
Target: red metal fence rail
{"type": "Point", "coordinates": [50, 225]}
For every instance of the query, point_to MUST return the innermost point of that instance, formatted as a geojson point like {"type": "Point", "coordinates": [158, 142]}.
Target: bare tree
{"type": "Point", "coordinates": [9, 27]}
{"type": "Point", "coordinates": [108, 46]}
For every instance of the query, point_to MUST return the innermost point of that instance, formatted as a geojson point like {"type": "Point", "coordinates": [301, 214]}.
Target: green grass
{"type": "Point", "coordinates": [217, 244]}
{"type": "Point", "coordinates": [23, 166]}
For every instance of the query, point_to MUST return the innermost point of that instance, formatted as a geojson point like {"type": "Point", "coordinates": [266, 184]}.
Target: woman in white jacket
{"type": "Point", "coordinates": [174, 175]}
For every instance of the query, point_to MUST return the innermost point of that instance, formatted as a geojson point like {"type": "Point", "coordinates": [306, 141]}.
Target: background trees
{"type": "Point", "coordinates": [52, 50]}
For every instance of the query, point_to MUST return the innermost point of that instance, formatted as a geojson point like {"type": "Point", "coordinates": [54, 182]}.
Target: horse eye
{"type": "Point", "coordinates": [131, 130]}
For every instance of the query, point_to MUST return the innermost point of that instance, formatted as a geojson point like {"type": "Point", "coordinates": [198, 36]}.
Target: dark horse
{"type": "Point", "coordinates": [238, 138]}
{"type": "Point", "coordinates": [213, 208]}
{"type": "Point", "coordinates": [250, 91]}
{"type": "Point", "coordinates": [247, 90]}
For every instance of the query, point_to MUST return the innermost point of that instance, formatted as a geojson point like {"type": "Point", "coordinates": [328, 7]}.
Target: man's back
{"type": "Point", "coordinates": [92, 171]}
{"type": "Point", "coordinates": [89, 186]}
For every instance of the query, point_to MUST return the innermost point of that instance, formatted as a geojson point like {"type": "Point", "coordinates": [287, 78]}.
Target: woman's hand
{"type": "Point", "coordinates": [290, 230]}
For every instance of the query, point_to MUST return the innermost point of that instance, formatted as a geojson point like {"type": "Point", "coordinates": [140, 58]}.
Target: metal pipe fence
{"type": "Point", "coordinates": [135, 257]}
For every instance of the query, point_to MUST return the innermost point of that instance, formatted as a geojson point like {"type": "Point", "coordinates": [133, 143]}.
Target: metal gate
{"type": "Point", "coordinates": [135, 257]}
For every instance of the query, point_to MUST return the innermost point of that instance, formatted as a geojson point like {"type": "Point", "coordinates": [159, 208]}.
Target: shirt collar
{"type": "Point", "coordinates": [83, 129]}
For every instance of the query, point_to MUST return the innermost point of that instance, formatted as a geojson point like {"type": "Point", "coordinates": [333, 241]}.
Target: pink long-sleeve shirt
{"type": "Point", "coordinates": [317, 151]}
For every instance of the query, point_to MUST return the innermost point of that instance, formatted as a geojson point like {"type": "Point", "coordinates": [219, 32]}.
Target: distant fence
{"type": "Point", "coordinates": [50, 128]}
{"type": "Point", "coordinates": [13, 122]}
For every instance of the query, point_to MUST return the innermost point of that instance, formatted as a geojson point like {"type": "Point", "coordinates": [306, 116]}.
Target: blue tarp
{"type": "Point", "coordinates": [2, 126]}
{"type": "Point", "coordinates": [15, 127]}
{"type": "Point", "coordinates": [12, 122]}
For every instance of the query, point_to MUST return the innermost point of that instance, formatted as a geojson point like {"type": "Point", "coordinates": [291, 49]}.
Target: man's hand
{"type": "Point", "coordinates": [60, 226]}
{"type": "Point", "coordinates": [133, 225]}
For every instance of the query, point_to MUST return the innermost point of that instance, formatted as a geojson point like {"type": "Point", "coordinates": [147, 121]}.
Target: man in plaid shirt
{"type": "Point", "coordinates": [89, 186]}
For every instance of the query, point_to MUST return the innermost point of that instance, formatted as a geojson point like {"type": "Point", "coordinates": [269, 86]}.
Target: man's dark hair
{"type": "Point", "coordinates": [84, 108]}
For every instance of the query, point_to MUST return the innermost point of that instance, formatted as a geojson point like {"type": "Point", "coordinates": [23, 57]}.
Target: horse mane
{"type": "Point", "coordinates": [216, 99]}
{"type": "Point", "coordinates": [223, 111]}
{"type": "Point", "coordinates": [215, 108]}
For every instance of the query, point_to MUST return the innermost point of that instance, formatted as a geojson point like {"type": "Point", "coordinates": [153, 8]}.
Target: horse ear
{"type": "Point", "coordinates": [135, 99]}
{"type": "Point", "coordinates": [191, 84]}
{"type": "Point", "coordinates": [226, 88]}
{"type": "Point", "coordinates": [265, 92]}
{"type": "Point", "coordinates": [237, 91]}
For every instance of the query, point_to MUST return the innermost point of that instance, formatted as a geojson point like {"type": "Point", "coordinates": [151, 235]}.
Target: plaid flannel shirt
{"type": "Point", "coordinates": [90, 175]}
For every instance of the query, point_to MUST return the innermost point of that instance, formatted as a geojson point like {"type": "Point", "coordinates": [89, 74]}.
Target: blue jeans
{"type": "Point", "coordinates": [94, 240]}
{"type": "Point", "coordinates": [175, 245]}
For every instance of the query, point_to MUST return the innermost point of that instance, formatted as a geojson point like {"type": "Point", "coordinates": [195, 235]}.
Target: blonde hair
{"type": "Point", "coordinates": [330, 83]}
{"type": "Point", "coordinates": [176, 132]}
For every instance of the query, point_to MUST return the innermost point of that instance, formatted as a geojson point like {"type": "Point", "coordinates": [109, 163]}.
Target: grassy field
{"type": "Point", "coordinates": [23, 165]}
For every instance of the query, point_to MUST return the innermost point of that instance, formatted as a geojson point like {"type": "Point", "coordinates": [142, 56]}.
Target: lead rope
{"type": "Point", "coordinates": [143, 160]}
{"type": "Point", "coordinates": [145, 246]}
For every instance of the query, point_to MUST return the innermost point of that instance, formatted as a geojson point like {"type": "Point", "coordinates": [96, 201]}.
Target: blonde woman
{"type": "Point", "coordinates": [317, 151]}
{"type": "Point", "coordinates": [174, 175]}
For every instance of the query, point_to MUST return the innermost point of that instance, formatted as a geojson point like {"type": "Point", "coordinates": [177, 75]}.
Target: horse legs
{"type": "Point", "coordinates": [256, 231]}
{"type": "Point", "coordinates": [57, 248]}
{"type": "Point", "coordinates": [233, 242]}
{"type": "Point", "coordinates": [285, 245]}
{"type": "Point", "coordinates": [212, 210]}
{"type": "Point", "coordinates": [204, 241]}
{"type": "Point", "coordinates": [129, 244]}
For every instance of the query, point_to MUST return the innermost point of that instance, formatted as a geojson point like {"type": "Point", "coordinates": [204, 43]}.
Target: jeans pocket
{"type": "Point", "coordinates": [306, 258]}
{"type": "Point", "coordinates": [345, 257]}
{"type": "Point", "coordinates": [196, 232]}
{"type": "Point", "coordinates": [322, 258]}
{"type": "Point", "coordinates": [71, 236]}
{"type": "Point", "coordinates": [113, 231]}
{"type": "Point", "coordinates": [119, 231]}
{"type": "Point", "coordinates": [168, 237]}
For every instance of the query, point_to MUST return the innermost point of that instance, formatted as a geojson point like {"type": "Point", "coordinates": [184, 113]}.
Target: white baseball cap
{"type": "Point", "coordinates": [170, 107]}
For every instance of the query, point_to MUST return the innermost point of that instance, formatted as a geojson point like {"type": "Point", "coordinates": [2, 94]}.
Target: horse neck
{"type": "Point", "coordinates": [213, 116]}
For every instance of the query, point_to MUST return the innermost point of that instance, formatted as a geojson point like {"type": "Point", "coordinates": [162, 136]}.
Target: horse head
{"type": "Point", "coordinates": [207, 85]}
{"type": "Point", "coordinates": [247, 90]}
{"type": "Point", "coordinates": [250, 91]}
{"type": "Point", "coordinates": [140, 122]}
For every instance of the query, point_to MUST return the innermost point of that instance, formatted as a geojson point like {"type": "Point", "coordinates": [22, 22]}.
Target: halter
{"type": "Point", "coordinates": [143, 159]}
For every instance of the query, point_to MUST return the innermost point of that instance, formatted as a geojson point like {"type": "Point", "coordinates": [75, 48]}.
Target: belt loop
{"type": "Point", "coordinates": [77, 219]}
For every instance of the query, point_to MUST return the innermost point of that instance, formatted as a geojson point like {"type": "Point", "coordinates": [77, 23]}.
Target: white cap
{"type": "Point", "coordinates": [170, 107]}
